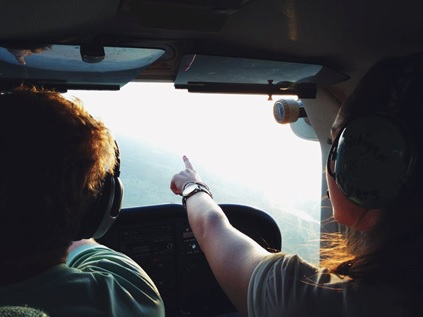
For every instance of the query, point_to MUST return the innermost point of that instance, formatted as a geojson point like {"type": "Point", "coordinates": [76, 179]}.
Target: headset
{"type": "Point", "coordinates": [372, 160]}
{"type": "Point", "coordinates": [106, 208]}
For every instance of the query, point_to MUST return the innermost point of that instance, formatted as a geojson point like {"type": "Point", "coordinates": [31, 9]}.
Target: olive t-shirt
{"type": "Point", "coordinates": [95, 281]}
{"type": "Point", "coordinates": [286, 285]}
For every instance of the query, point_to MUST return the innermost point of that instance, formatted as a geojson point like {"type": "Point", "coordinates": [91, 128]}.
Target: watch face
{"type": "Point", "coordinates": [189, 189]}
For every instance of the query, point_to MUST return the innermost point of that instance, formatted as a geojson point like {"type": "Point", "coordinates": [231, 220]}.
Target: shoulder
{"type": "Point", "coordinates": [286, 284]}
{"type": "Point", "coordinates": [101, 259]}
{"type": "Point", "coordinates": [112, 271]}
{"type": "Point", "coordinates": [89, 255]}
{"type": "Point", "coordinates": [289, 269]}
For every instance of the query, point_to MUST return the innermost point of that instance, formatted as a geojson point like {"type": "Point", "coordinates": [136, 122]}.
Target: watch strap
{"type": "Point", "coordinates": [200, 187]}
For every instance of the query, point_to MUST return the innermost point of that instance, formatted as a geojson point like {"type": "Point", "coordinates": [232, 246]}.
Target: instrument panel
{"type": "Point", "coordinates": [160, 240]}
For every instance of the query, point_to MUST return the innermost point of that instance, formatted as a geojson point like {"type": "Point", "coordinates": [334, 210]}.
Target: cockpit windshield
{"type": "Point", "coordinates": [234, 142]}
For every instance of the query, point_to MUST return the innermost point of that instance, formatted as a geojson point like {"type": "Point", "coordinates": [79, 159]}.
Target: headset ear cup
{"type": "Point", "coordinates": [374, 159]}
{"type": "Point", "coordinates": [106, 207]}
{"type": "Point", "coordinates": [105, 212]}
{"type": "Point", "coordinates": [118, 198]}
{"type": "Point", "coordinates": [109, 208]}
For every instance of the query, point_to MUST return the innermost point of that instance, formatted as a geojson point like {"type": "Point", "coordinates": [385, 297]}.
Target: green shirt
{"type": "Point", "coordinates": [95, 281]}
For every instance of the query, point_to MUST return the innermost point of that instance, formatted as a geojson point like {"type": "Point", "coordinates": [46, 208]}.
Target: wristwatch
{"type": "Point", "coordinates": [193, 188]}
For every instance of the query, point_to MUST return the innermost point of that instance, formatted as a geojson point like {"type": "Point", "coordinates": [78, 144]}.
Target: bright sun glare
{"type": "Point", "coordinates": [233, 141]}
{"type": "Point", "coordinates": [216, 130]}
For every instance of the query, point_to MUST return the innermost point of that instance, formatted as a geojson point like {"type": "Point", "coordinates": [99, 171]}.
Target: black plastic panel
{"type": "Point", "coordinates": [160, 240]}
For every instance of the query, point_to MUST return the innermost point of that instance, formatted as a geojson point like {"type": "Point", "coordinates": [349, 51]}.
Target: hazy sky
{"type": "Point", "coordinates": [234, 135]}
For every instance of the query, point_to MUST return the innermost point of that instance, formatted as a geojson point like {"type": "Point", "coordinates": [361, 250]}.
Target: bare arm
{"type": "Point", "coordinates": [231, 255]}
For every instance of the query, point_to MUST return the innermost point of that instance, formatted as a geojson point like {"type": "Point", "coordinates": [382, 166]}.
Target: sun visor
{"type": "Point", "coordinates": [64, 67]}
{"type": "Point", "coordinates": [217, 74]}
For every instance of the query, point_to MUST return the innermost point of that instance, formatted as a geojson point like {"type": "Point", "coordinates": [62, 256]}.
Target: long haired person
{"type": "Point", "coordinates": [374, 173]}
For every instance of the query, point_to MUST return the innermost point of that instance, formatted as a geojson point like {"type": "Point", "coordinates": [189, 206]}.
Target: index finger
{"type": "Point", "coordinates": [187, 163]}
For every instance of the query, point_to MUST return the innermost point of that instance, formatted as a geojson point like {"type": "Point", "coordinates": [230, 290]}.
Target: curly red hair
{"type": "Point", "coordinates": [55, 156]}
